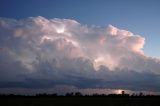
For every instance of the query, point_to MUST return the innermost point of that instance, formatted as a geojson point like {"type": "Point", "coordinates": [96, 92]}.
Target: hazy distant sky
{"type": "Point", "coordinates": [79, 44]}
{"type": "Point", "coordinates": [139, 16]}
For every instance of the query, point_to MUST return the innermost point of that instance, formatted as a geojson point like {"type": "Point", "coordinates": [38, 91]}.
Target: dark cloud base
{"type": "Point", "coordinates": [119, 80]}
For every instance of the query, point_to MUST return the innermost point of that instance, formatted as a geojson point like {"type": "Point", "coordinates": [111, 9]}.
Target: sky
{"type": "Point", "coordinates": [87, 44]}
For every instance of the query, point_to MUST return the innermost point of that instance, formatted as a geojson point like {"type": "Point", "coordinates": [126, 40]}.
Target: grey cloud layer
{"type": "Point", "coordinates": [40, 53]}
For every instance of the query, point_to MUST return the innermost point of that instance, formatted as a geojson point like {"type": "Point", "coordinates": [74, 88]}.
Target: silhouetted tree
{"type": "Point", "coordinates": [133, 94]}
{"type": "Point", "coordinates": [123, 92]}
{"type": "Point", "coordinates": [55, 94]}
{"type": "Point", "coordinates": [69, 94]}
{"type": "Point", "coordinates": [140, 94]}
{"type": "Point", "coordinates": [78, 94]}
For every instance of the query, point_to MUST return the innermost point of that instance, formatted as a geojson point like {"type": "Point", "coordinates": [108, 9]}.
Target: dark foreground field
{"type": "Point", "coordinates": [80, 101]}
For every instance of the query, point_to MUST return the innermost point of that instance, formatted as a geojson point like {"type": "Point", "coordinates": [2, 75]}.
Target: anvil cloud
{"type": "Point", "coordinates": [41, 53]}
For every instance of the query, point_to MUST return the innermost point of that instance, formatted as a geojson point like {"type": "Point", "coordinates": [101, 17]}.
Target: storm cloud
{"type": "Point", "coordinates": [36, 52]}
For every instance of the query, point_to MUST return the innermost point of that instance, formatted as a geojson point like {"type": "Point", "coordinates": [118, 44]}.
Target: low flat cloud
{"type": "Point", "coordinates": [36, 52]}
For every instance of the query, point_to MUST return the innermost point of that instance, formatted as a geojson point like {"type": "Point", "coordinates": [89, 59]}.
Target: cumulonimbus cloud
{"type": "Point", "coordinates": [63, 51]}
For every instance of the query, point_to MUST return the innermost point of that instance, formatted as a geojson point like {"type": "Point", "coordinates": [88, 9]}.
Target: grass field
{"type": "Point", "coordinates": [78, 101]}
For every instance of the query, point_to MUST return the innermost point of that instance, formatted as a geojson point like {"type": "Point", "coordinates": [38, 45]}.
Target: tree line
{"type": "Point", "coordinates": [79, 94]}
